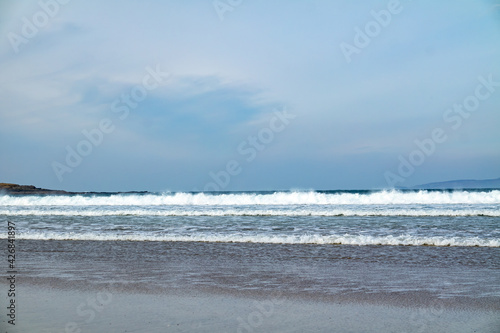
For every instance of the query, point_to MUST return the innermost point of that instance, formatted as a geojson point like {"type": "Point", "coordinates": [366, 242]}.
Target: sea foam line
{"type": "Point", "coordinates": [257, 212]}
{"type": "Point", "coordinates": [390, 240]}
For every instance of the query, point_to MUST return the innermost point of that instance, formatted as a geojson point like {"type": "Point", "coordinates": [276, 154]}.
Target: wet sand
{"type": "Point", "coordinates": [89, 286]}
{"type": "Point", "coordinates": [54, 310]}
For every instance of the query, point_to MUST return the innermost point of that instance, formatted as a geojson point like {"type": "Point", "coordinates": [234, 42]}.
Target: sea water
{"type": "Point", "coordinates": [433, 218]}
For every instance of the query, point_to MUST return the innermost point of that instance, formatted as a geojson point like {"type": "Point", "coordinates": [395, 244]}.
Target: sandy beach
{"type": "Point", "coordinates": [66, 286]}
{"type": "Point", "coordinates": [55, 310]}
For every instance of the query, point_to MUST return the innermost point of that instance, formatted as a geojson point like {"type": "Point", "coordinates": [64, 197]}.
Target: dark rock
{"type": "Point", "coordinates": [16, 189]}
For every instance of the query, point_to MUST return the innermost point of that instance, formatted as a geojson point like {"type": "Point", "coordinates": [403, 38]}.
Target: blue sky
{"type": "Point", "coordinates": [229, 68]}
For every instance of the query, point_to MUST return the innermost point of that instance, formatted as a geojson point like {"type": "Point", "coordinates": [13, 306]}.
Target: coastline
{"type": "Point", "coordinates": [16, 189]}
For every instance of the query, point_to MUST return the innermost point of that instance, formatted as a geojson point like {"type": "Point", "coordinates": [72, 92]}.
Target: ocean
{"type": "Point", "coordinates": [434, 218]}
{"type": "Point", "coordinates": [346, 244]}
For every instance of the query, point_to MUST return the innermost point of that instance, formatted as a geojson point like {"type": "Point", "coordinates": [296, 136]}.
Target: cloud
{"type": "Point", "coordinates": [226, 79]}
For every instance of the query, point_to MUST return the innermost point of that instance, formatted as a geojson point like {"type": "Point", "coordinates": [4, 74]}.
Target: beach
{"type": "Point", "coordinates": [95, 286]}
{"type": "Point", "coordinates": [249, 166]}
{"type": "Point", "coordinates": [55, 310]}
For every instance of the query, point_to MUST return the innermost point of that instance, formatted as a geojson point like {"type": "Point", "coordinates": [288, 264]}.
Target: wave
{"type": "Point", "coordinates": [360, 240]}
{"type": "Point", "coordinates": [257, 212]}
{"type": "Point", "coordinates": [278, 198]}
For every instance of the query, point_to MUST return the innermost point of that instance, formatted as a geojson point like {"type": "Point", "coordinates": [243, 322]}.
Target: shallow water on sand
{"type": "Point", "coordinates": [401, 273]}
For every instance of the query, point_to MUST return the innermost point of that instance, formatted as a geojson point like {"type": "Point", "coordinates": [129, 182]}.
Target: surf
{"type": "Point", "coordinates": [384, 197]}
{"type": "Point", "coordinates": [345, 239]}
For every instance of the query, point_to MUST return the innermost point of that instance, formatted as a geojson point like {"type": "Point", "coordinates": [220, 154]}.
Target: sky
{"type": "Point", "coordinates": [236, 95]}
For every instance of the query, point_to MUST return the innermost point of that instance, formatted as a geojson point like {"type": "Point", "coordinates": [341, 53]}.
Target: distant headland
{"type": "Point", "coordinates": [16, 189]}
{"type": "Point", "coordinates": [460, 184]}
{"type": "Point", "coordinates": [9, 188]}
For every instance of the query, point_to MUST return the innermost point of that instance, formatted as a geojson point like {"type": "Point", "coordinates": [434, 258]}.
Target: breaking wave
{"type": "Point", "coordinates": [392, 197]}
{"type": "Point", "coordinates": [254, 212]}
{"type": "Point", "coordinates": [389, 240]}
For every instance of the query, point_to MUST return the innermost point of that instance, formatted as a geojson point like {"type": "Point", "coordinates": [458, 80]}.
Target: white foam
{"type": "Point", "coordinates": [239, 238]}
{"type": "Point", "coordinates": [391, 197]}
{"type": "Point", "coordinates": [254, 212]}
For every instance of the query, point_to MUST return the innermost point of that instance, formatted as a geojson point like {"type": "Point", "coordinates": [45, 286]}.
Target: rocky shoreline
{"type": "Point", "coordinates": [16, 189]}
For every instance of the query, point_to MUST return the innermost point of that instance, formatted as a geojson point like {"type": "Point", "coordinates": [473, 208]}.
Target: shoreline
{"type": "Point", "coordinates": [454, 277]}
{"type": "Point", "coordinates": [93, 286]}
{"type": "Point", "coordinates": [411, 301]}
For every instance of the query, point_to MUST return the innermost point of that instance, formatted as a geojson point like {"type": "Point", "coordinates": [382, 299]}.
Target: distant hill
{"type": "Point", "coordinates": [16, 189]}
{"type": "Point", "coordinates": [461, 184]}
